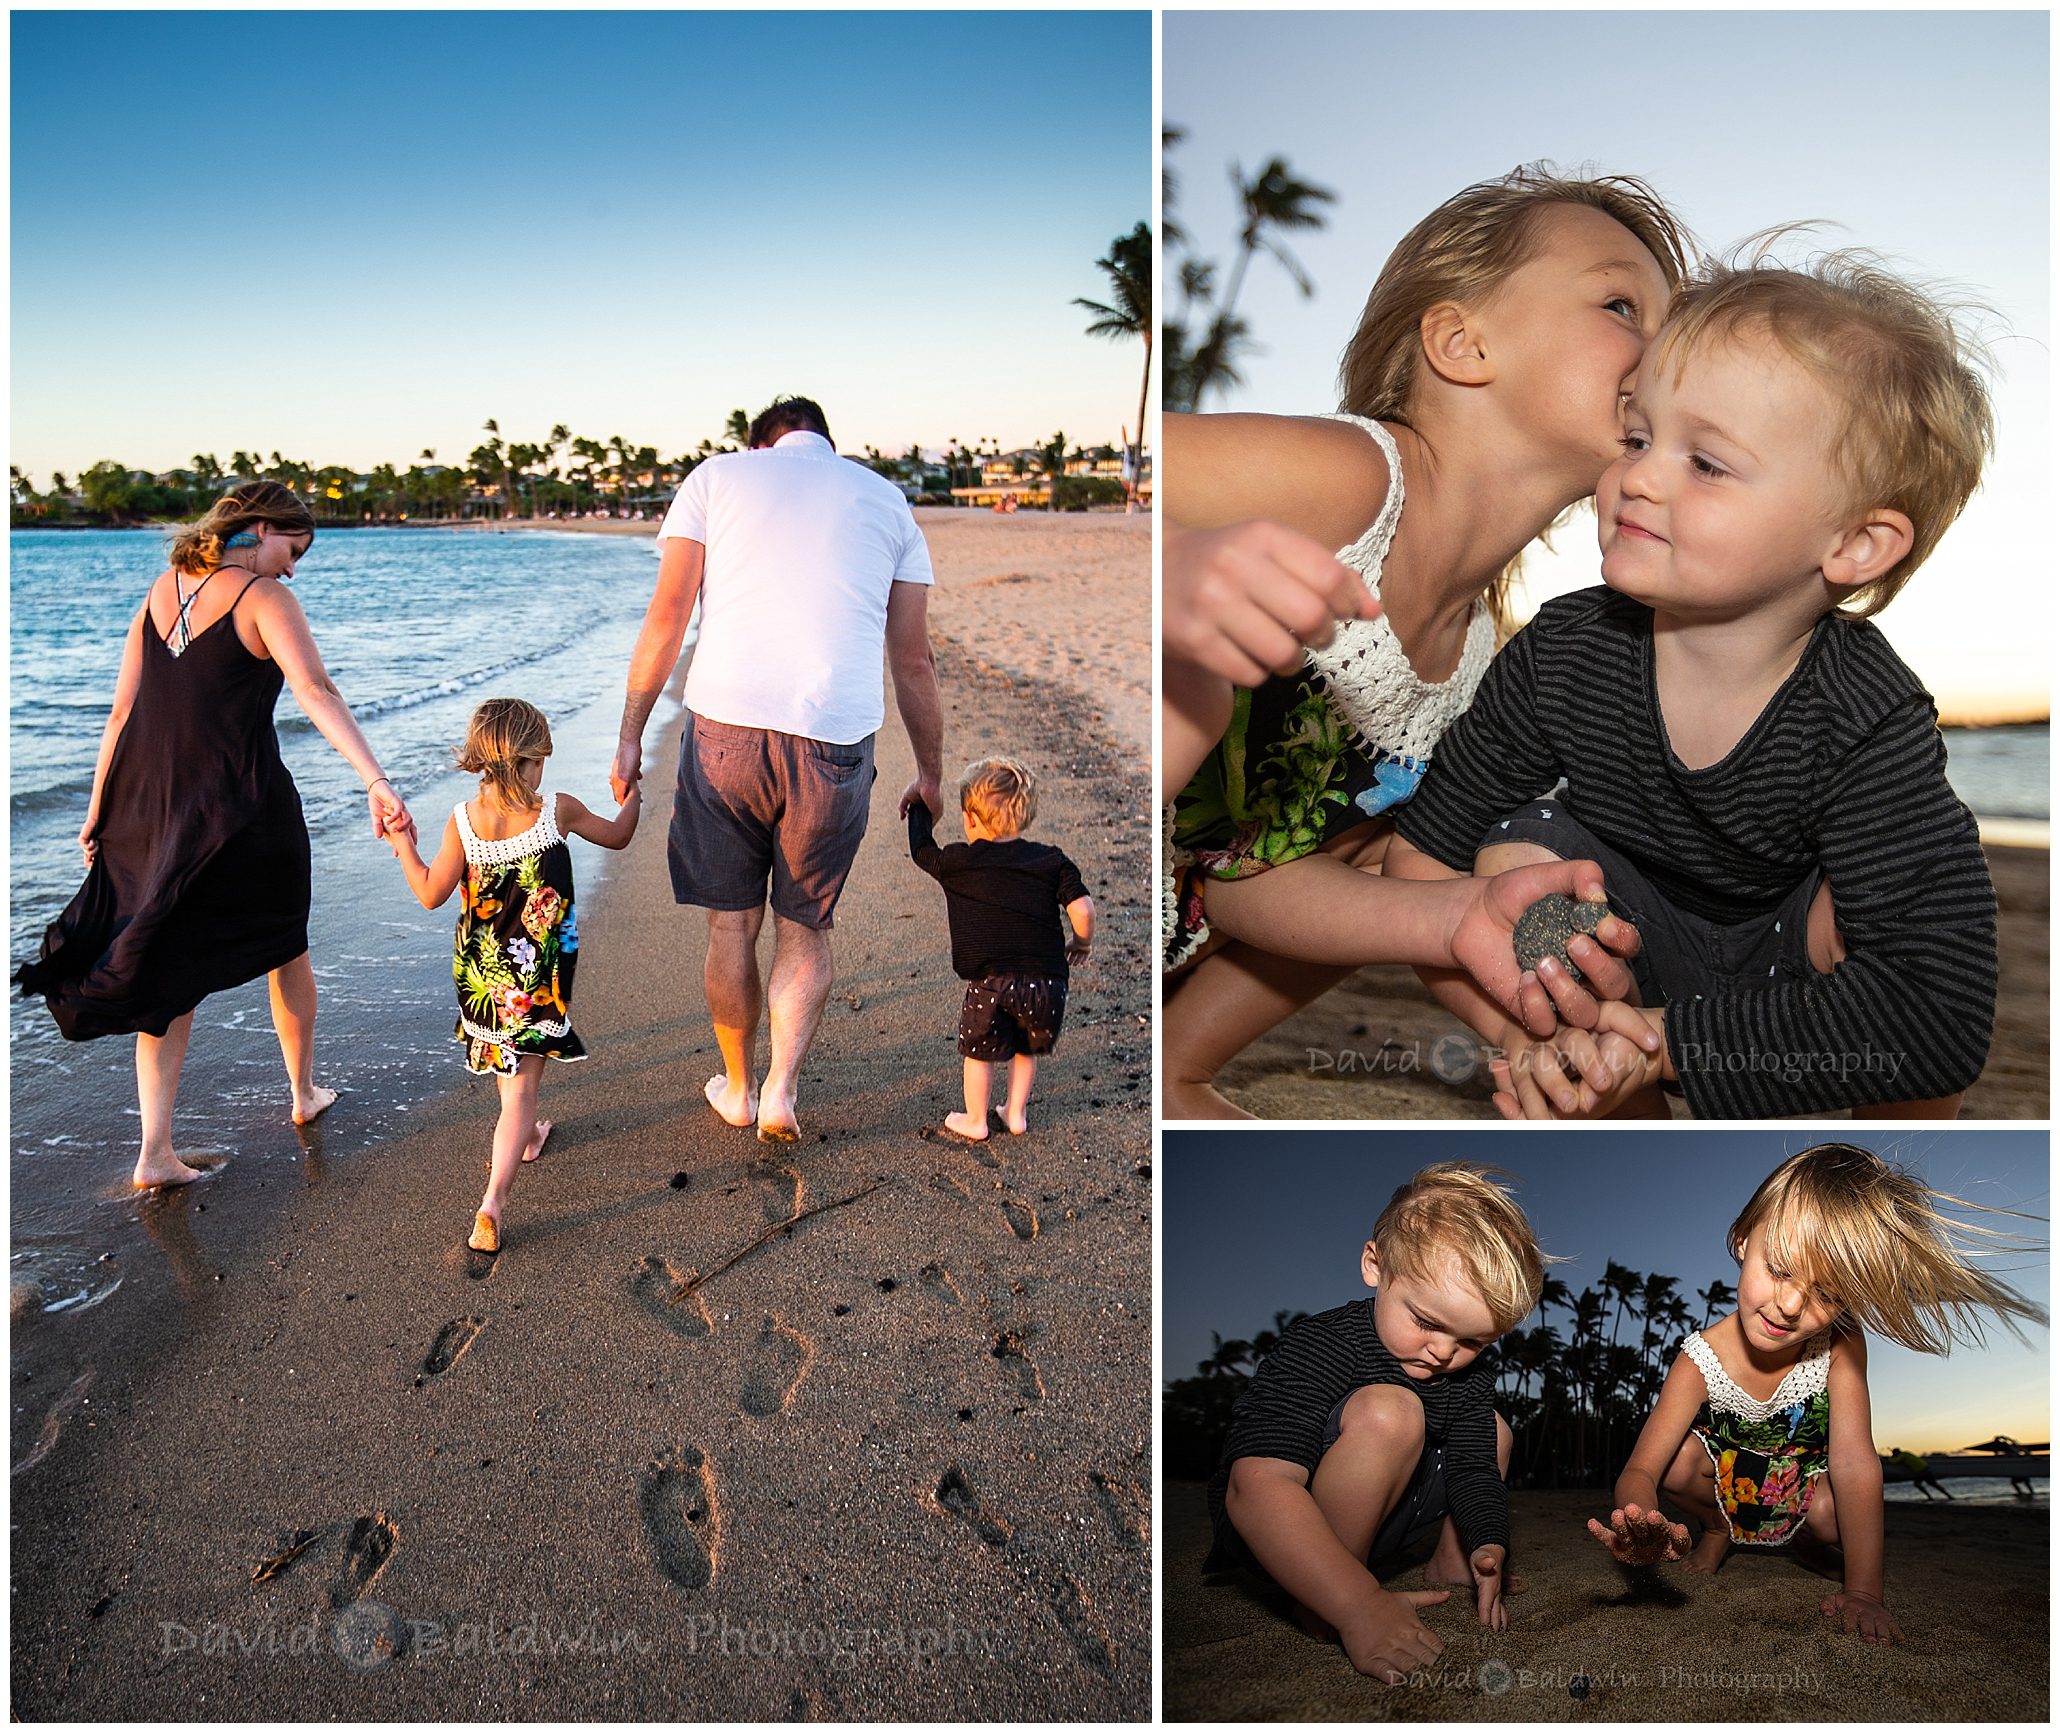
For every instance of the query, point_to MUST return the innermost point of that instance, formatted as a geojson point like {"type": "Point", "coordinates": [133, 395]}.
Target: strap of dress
{"type": "Point", "coordinates": [240, 594]}
{"type": "Point", "coordinates": [1370, 551]}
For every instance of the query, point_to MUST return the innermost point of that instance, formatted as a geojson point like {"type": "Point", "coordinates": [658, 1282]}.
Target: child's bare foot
{"type": "Point", "coordinates": [738, 1107]}
{"type": "Point", "coordinates": [486, 1232]}
{"type": "Point", "coordinates": [1017, 1126]}
{"type": "Point", "coordinates": [966, 1126]}
{"type": "Point", "coordinates": [536, 1140]}
{"type": "Point", "coordinates": [1710, 1553]}
{"type": "Point", "coordinates": [310, 1107]}
{"type": "Point", "coordinates": [1198, 1101]}
{"type": "Point", "coordinates": [1824, 1557]}
{"type": "Point", "coordinates": [165, 1170]}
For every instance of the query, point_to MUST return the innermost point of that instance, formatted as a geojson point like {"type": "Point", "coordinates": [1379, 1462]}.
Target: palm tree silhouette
{"type": "Point", "coordinates": [1273, 199]}
{"type": "Point", "coordinates": [1128, 314]}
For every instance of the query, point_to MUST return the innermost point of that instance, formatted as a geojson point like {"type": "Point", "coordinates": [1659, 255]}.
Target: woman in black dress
{"type": "Point", "coordinates": [196, 852]}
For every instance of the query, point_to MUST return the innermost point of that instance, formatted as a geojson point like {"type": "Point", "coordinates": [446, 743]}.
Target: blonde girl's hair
{"type": "Point", "coordinates": [1000, 792]}
{"type": "Point", "coordinates": [1876, 1240]}
{"type": "Point", "coordinates": [1454, 1213]}
{"type": "Point", "coordinates": [1896, 357]}
{"type": "Point", "coordinates": [1464, 251]}
{"type": "Point", "coordinates": [503, 733]}
{"type": "Point", "coordinates": [198, 547]}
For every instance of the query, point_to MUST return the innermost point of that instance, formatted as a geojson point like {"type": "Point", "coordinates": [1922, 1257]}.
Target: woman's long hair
{"type": "Point", "coordinates": [198, 547]}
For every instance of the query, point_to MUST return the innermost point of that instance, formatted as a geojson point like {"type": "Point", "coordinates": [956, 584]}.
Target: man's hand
{"type": "Point", "coordinates": [1385, 1638]}
{"type": "Point", "coordinates": [1863, 1616]}
{"type": "Point", "coordinates": [627, 771]}
{"type": "Point", "coordinates": [1641, 1537]}
{"type": "Point", "coordinates": [925, 789]}
{"type": "Point", "coordinates": [1486, 1564]}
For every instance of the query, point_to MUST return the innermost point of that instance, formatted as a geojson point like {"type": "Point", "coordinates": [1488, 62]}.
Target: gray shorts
{"type": "Point", "coordinates": [1683, 956]}
{"type": "Point", "coordinates": [753, 805]}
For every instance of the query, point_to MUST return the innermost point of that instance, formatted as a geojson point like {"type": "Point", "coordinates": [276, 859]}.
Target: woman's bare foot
{"type": "Point", "coordinates": [310, 1107]}
{"type": "Point", "coordinates": [1710, 1552]}
{"type": "Point", "coordinates": [1199, 1101]}
{"type": "Point", "coordinates": [732, 1106]}
{"type": "Point", "coordinates": [966, 1126]}
{"type": "Point", "coordinates": [165, 1170]}
{"type": "Point", "coordinates": [536, 1140]}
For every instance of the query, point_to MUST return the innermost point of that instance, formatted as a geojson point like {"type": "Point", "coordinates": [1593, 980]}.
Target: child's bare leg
{"type": "Point", "coordinates": [736, 996]}
{"type": "Point", "coordinates": [1449, 1566]}
{"type": "Point", "coordinates": [293, 1018]}
{"type": "Point", "coordinates": [1222, 1005]}
{"type": "Point", "coordinates": [979, 1092]}
{"type": "Point", "coordinates": [517, 1131]}
{"type": "Point", "coordinates": [1691, 1483]}
{"type": "Point", "coordinates": [1356, 1484]}
{"type": "Point", "coordinates": [1022, 1073]}
{"type": "Point", "coordinates": [1816, 1541]}
{"type": "Point", "coordinates": [158, 1059]}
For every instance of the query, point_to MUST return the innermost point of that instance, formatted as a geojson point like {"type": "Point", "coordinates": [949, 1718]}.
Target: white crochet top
{"type": "Point", "coordinates": [1372, 687]}
{"type": "Point", "coordinates": [483, 851]}
{"type": "Point", "coordinates": [1806, 1378]}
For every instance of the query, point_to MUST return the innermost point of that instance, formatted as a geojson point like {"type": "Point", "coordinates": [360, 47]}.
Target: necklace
{"type": "Point", "coordinates": [182, 628]}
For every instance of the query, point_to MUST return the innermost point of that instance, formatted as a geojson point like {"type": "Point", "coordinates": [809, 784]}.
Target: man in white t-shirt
{"type": "Point", "coordinates": [807, 567]}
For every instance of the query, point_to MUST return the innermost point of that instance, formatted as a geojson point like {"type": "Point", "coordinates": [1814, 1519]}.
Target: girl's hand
{"type": "Point", "coordinates": [1636, 1537]}
{"type": "Point", "coordinates": [389, 811]}
{"type": "Point", "coordinates": [1576, 1074]}
{"type": "Point", "coordinates": [1486, 1563]}
{"type": "Point", "coordinates": [1863, 1616]}
{"type": "Point", "coordinates": [1248, 600]}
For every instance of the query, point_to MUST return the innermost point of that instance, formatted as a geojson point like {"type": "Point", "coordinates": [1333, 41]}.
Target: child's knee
{"type": "Point", "coordinates": [1385, 1417]}
{"type": "Point", "coordinates": [1505, 1441]}
{"type": "Point", "coordinates": [1505, 857]}
{"type": "Point", "coordinates": [1822, 1516]}
{"type": "Point", "coordinates": [1826, 942]}
{"type": "Point", "coordinates": [1690, 1471]}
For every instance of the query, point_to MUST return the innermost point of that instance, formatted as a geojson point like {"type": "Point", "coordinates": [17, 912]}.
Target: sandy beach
{"type": "Point", "coordinates": [1588, 1641]}
{"type": "Point", "coordinates": [314, 1459]}
{"type": "Point", "coordinates": [1371, 1048]}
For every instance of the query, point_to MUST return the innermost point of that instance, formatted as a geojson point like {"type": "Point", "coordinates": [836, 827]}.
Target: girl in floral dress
{"type": "Point", "coordinates": [1765, 1415]}
{"type": "Point", "coordinates": [504, 852]}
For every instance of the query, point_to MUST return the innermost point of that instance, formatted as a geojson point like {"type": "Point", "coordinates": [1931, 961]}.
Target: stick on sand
{"type": "Point", "coordinates": [772, 1233]}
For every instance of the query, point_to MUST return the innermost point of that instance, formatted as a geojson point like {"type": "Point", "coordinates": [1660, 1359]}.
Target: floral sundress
{"type": "Point", "coordinates": [1767, 1455]}
{"type": "Point", "coordinates": [518, 939]}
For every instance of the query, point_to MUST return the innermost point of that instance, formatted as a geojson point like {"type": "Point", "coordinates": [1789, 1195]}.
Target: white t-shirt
{"type": "Point", "coordinates": [803, 547]}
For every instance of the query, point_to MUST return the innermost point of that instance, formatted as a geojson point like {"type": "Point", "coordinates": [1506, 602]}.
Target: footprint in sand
{"type": "Point", "coordinates": [652, 1285]}
{"type": "Point", "coordinates": [938, 1280]}
{"type": "Point", "coordinates": [1124, 1508]}
{"type": "Point", "coordinates": [954, 1496]}
{"type": "Point", "coordinates": [1008, 1349]}
{"type": "Point", "coordinates": [53, 1422]}
{"type": "Point", "coordinates": [779, 1191]}
{"type": "Point", "coordinates": [780, 1359]}
{"type": "Point", "coordinates": [365, 1555]}
{"type": "Point", "coordinates": [676, 1498]}
{"type": "Point", "coordinates": [450, 1345]}
{"type": "Point", "coordinates": [1022, 1219]}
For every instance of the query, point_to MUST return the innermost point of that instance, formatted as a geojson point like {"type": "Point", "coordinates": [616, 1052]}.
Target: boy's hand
{"type": "Point", "coordinates": [1486, 1563]}
{"type": "Point", "coordinates": [1636, 1537]}
{"type": "Point", "coordinates": [1385, 1638]}
{"type": "Point", "coordinates": [1863, 1616]}
{"type": "Point", "coordinates": [1077, 949]}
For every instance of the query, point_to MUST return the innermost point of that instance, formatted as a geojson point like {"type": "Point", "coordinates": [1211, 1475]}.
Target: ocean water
{"type": "Point", "coordinates": [416, 628]}
{"type": "Point", "coordinates": [2004, 773]}
{"type": "Point", "coordinates": [1980, 1492]}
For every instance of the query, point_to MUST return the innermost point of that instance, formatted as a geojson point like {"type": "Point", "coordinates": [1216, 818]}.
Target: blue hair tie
{"type": "Point", "coordinates": [241, 539]}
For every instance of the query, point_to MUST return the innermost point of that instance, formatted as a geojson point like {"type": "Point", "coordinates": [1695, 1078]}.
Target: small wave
{"type": "Point", "coordinates": [72, 792]}
{"type": "Point", "coordinates": [298, 723]}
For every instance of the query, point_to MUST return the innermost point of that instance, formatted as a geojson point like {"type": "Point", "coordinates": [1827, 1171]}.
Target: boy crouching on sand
{"type": "Point", "coordinates": [1372, 1425]}
{"type": "Point", "coordinates": [1002, 896]}
{"type": "Point", "coordinates": [1759, 776]}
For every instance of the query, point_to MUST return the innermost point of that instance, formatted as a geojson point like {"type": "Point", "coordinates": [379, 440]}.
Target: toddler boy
{"type": "Point", "coordinates": [1760, 778]}
{"type": "Point", "coordinates": [1371, 1427]}
{"type": "Point", "coordinates": [1002, 896]}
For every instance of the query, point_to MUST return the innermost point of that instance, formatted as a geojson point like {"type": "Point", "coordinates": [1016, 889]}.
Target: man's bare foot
{"type": "Point", "coordinates": [169, 1170]}
{"type": "Point", "coordinates": [310, 1107]}
{"type": "Point", "coordinates": [966, 1126]}
{"type": "Point", "coordinates": [732, 1106]}
{"type": "Point", "coordinates": [536, 1140]}
{"type": "Point", "coordinates": [1199, 1101]}
{"type": "Point", "coordinates": [1710, 1553]}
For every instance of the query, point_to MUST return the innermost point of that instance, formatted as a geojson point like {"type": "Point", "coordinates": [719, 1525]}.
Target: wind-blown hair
{"type": "Point", "coordinates": [999, 792]}
{"type": "Point", "coordinates": [505, 731]}
{"type": "Point", "coordinates": [1453, 1213]}
{"type": "Point", "coordinates": [198, 547]}
{"type": "Point", "coordinates": [1876, 1241]}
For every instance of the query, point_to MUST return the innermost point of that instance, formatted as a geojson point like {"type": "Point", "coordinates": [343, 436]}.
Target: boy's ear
{"type": "Point", "coordinates": [1369, 1265]}
{"type": "Point", "coordinates": [1869, 548]}
{"type": "Point", "coordinates": [1452, 344]}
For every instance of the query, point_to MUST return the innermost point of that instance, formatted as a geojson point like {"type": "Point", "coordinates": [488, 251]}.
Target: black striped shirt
{"type": "Point", "coordinates": [1843, 769]}
{"type": "Point", "coordinates": [1322, 1360]}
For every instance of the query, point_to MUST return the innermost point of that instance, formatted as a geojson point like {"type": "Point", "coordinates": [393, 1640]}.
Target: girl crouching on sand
{"type": "Point", "coordinates": [518, 936]}
{"type": "Point", "coordinates": [1765, 1414]}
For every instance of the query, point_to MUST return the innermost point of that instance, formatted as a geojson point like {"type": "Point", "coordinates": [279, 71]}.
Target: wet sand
{"type": "Point", "coordinates": [1588, 1641]}
{"type": "Point", "coordinates": [893, 1462]}
{"type": "Point", "coordinates": [1379, 1047]}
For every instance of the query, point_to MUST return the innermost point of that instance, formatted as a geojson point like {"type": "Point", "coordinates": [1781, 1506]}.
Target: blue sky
{"type": "Point", "coordinates": [1261, 1221]}
{"type": "Point", "coordinates": [352, 235]}
{"type": "Point", "coordinates": [1924, 134]}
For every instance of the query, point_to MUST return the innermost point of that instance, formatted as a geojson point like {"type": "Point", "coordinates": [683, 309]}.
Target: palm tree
{"type": "Point", "coordinates": [1051, 458]}
{"type": "Point", "coordinates": [1622, 1283]}
{"type": "Point", "coordinates": [1272, 200]}
{"type": "Point", "coordinates": [737, 430]}
{"type": "Point", "coordinates": [1128, 314]}
{"type": "Point", "coordinates": [1715, 1298]}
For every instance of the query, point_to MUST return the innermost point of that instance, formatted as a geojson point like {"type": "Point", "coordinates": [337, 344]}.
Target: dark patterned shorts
{"type": "Point", "coordinates": [1009, 1014]}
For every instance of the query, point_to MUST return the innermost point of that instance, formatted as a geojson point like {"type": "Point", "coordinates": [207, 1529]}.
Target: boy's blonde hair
{"type": "Point", "coordinates": [1000, 793]}
{"type": "Point", "coordinates": [1464, 251]}
{"type": "Point", "coordinates": [1917, 426]}
{"type": "Point", "coordinates": [1874, 1238]}
{"type": "Point", "coordinates": [1453, 1213]}
{"type": "Point", "coordinates": [199, 546]}
{"type": "Point", "coordinates": [503, 732]}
